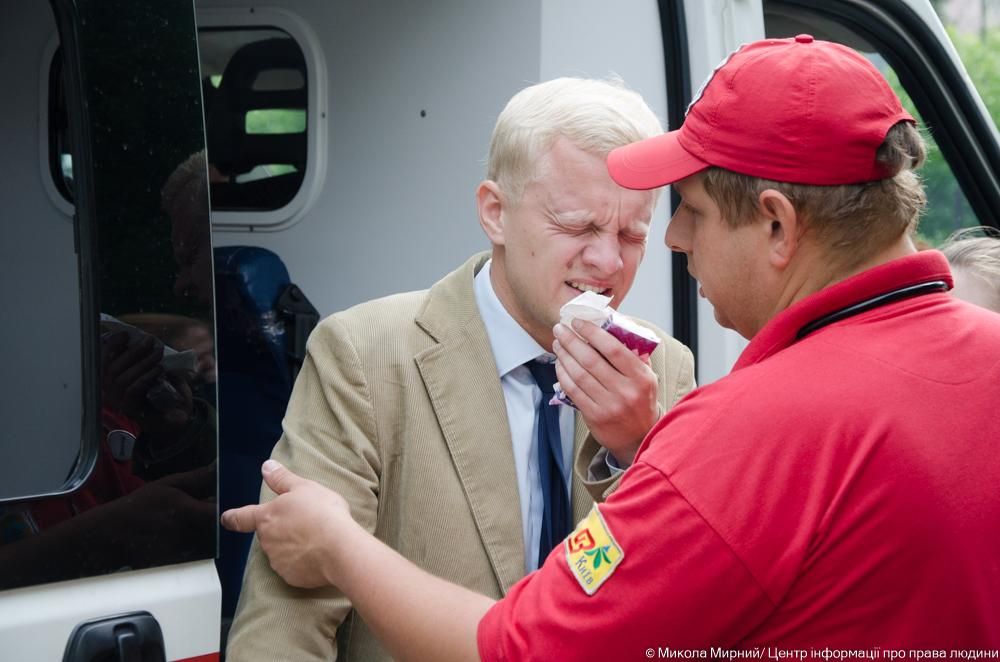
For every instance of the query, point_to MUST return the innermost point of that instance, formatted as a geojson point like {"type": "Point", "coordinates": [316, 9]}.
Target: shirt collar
{"type": "Point", "coordinates": [511, 344]}
{"type": "Point", "coordinates": [781, 331]}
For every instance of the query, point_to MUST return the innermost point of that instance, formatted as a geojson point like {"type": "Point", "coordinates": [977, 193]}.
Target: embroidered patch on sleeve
{"type": "Point", "coordinates": [592, 552]}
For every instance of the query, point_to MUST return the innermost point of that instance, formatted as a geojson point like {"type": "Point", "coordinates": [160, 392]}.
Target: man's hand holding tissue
{"type": "Point", "coordinates": [614, 388]}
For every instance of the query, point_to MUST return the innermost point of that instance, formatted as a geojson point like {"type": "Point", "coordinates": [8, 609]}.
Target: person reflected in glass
{"type": "Point", "coordinates": [150, 497]}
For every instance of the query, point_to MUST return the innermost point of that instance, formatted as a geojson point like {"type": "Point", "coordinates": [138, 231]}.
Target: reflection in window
{"type": "Point", "coordinates": [255, 94]}
{"type": "Point", "coordinates": [108, 408]}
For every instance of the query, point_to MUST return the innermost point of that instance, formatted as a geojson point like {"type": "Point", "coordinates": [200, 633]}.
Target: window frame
{"type": "Point", "coordinates": [85, 223]}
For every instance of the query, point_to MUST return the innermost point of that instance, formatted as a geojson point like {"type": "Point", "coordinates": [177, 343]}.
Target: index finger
{"type": "Point", "coordinates": [242, 520]}
{"type": "Point", "coordinates": [611, 348]}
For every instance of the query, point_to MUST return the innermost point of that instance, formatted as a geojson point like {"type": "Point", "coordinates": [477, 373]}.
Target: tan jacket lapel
{"type": "Point", "coordinates": [461, 379]}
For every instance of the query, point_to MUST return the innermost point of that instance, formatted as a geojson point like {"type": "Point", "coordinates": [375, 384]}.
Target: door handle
{"type": "Point", "coordinates": [133, 637]}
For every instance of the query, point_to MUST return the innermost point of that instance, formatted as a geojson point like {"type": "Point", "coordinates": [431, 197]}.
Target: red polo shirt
{"type": "Point", "coordinates": [839, 491]}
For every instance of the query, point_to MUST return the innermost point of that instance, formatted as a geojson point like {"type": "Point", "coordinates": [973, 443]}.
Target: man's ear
{"type": "Point", "coordinates": [490, 201]}
{"type": "Point", "coordinates": [784, 226]}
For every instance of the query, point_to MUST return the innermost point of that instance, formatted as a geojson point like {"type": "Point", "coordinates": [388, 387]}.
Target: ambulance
{"type": "Point", "coordinates": [187, 186]}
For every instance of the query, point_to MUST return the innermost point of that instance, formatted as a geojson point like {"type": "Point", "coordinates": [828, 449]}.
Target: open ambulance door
{"type": "Point", "coordinates": [108, 520]}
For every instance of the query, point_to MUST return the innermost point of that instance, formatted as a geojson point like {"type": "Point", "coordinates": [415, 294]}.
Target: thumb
{"type": "Point", "coordinates": [279, 478]}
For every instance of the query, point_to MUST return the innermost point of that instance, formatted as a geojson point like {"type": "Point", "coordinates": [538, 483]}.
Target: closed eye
{"type": "Point", "coordinates": [578, 230]}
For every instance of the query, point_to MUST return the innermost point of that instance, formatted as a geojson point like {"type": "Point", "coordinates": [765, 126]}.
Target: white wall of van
{"type": "Point", "coordinates": [396, 210]}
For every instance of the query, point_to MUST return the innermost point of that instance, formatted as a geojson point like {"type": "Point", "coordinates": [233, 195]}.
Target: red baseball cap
{"type": "Point", "coordinates": [795, 110]}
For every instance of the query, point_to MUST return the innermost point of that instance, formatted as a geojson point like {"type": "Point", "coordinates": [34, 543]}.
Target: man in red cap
{"type": "Point", "coordinates": [834, 496]}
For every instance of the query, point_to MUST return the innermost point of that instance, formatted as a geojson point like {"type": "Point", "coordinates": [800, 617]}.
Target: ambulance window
{"type": "Point", "coordinates": [255, 89]}
{"type": "Point", "coordinates": [60, 158]}
{"type": "Point", "coordinates": [959, 174]}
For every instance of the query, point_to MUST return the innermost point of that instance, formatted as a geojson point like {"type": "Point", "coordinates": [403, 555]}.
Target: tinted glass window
{"type": "Point", "coordinates": [255, 100]}
{"type": "Point", "coordinates": [113, 418]}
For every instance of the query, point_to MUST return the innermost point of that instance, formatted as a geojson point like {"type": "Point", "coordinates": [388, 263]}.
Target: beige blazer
{"type": "Point", "coordinates": [399, 408]}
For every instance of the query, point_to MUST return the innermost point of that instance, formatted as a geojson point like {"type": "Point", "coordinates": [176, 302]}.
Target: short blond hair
{"type": "Point", "coordinates": [853, 222]}
{"type": "Point", "coordinates": [595, 115]}
{"type": "Point", "coordinates": [186, 185]}
{"type": "Point", "coordinates": [976, 250]}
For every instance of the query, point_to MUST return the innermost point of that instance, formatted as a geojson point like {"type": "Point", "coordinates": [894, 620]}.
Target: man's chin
{"type": "Point", "coordinates": [721, 320]}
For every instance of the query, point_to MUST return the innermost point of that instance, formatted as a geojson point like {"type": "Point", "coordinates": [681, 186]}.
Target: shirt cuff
{"type": "Point", "coordinates": [604, 466]}
{"type": "Point", "coordinates": [612, 462]}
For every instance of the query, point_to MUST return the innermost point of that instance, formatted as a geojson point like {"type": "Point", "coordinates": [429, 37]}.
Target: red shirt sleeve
{"type": "Point", "coordinates": [677, 585]}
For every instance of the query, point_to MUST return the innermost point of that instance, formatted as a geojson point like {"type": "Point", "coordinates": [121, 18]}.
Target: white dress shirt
{"type": "Point", "coordinates": [512, 348]}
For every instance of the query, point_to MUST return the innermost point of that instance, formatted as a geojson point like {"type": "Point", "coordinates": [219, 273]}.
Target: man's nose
{"type": "Point", "coordinates": [676, 238]}
{"type": "Point", "coordinates": [604, 253]}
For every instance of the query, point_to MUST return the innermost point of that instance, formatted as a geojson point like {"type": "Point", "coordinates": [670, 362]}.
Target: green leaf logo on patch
{"type": "Point", "coordinates": [599, 555]}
